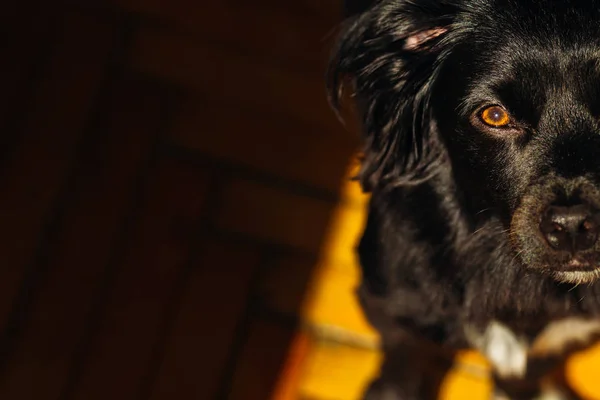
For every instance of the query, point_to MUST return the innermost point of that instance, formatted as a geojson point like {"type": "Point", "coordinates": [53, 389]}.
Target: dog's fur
{"type": "Point", "coordinates": [451, 244]}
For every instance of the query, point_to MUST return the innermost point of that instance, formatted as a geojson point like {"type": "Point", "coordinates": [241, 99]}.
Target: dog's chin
{"type": "Point", "coordinates": [576, 271]}
{"type": "Point", "coordinates": [577, 277]}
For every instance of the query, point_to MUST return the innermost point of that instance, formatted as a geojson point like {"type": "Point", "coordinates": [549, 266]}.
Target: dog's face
{"type": "Point", "coordinates": [506, 92]}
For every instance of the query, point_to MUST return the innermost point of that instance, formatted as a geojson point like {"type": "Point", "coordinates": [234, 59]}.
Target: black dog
{"type": "Point", "coordinates": [482, 153]}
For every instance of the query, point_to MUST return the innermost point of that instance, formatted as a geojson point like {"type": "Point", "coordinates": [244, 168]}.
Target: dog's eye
{"type": "Point", "coordinates": [495, 116]}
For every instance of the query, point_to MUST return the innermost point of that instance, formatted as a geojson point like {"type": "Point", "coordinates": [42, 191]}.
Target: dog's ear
{"type": "Point", "coordinates": [389, 55]}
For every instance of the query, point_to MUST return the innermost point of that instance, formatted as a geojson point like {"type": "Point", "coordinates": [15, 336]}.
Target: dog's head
{"type": "Point", "coordinates": [506, 93]}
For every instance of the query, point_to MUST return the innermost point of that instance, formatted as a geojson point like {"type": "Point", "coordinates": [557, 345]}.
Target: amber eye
{"type": "Point", "coordinates": [495, 116]}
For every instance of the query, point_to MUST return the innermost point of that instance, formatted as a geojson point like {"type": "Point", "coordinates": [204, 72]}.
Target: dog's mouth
{"type": "Point", "coordinates": [572, 269]}
{"type": "Point", "coordinates": [578, 264]}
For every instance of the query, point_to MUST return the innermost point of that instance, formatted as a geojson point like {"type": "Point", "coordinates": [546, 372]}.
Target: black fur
{"type": "Point", "coordinates": [452, 237]}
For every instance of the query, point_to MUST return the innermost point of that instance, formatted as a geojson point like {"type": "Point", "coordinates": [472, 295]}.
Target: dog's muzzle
{"type": "Point", "coordinates": [556, 228]}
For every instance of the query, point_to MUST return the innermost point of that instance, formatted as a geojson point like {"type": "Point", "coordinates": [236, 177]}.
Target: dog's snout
{"type": "Point", "coordinates": [571, 228]}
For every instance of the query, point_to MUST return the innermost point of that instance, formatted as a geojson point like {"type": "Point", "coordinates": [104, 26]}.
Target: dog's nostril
{"type": "Point", "coordinates": [588, 225]}
{"type": "Point", "coordinates": [557, 227]}
{"type": "Point", "coordinates": [570, 228]}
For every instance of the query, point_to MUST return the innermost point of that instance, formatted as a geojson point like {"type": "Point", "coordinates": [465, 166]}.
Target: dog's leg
{"type": "Point", "coordinates": [411, 370]}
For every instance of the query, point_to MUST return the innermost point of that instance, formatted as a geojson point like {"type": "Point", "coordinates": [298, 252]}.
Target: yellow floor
{"type": "Point", "coordinates": [340, 352]}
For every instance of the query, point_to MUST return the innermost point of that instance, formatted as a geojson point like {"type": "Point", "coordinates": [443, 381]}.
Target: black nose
{"type": "Point", "coordinates": [570, 228]}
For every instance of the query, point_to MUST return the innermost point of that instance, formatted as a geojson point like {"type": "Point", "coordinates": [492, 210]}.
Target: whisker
{"type": "Point", "coordinates": [573, 288]}
{"type": "Point", "coordinates": [517, 254]}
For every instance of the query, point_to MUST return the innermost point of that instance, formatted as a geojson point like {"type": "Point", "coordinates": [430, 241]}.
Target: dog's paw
{"type": "Point", "coordinates": [564, 336]}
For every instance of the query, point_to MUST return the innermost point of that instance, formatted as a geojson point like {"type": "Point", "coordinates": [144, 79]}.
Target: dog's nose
{"type": "Point", "coordinates": [570, 228]}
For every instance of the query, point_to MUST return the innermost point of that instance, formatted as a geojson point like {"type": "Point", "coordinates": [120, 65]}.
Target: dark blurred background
{"type": "Point", "coordinates": [168, 172]}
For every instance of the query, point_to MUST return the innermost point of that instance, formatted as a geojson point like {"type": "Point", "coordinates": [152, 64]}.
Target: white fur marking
{"type": "Point", "coordinates": [505, 351]}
